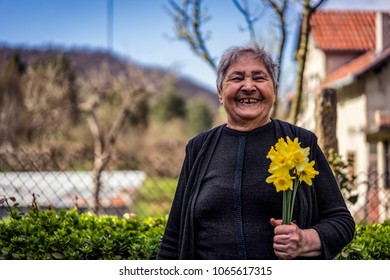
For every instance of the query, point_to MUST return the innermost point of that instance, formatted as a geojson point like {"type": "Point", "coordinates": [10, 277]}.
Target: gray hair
{"type": "Point", "coordinates": [232, 54]}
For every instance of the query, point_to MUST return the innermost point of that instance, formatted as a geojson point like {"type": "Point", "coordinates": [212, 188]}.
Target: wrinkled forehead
{"type": "Point", "coordinates": [245, 56]}
{"type": "Point", "coordinates": [254, 60]}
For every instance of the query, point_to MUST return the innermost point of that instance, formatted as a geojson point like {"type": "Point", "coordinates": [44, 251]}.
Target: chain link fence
{"type": "Point", "coordinates": [37, 179]}
{"type": "Point", "coordinates": [373, 192]}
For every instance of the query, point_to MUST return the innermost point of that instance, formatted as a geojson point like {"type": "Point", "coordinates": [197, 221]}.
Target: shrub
{"type": "Point", "coordinates": [46, 234]}
{"type": "Point", "coordinates": [69, 235]}
{"type": "Point", "coordinates": [371, 242]}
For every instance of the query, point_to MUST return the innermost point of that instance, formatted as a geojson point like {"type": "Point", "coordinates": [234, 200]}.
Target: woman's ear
{"type": "Point", "coordinates": [220, 96]}
{"type": "Point", "coordinates": [276, 92]}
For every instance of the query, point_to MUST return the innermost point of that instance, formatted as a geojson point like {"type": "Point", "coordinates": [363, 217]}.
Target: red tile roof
{"type": "Point", "coordinates": [343, 30]}
{"type": "Point", "coordinates": [349, 31]}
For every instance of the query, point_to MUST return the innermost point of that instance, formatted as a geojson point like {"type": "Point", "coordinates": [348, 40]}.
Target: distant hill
{"type": "Point", "coordinates": [86, 59]}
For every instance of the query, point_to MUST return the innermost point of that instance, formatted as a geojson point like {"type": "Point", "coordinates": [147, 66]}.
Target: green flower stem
{"type": "Point", "coordinates": [285, 206]}
{"type": "Point", "coordinates": [289, 195]}
{"type": "Point", "coordinates": [288, 203]}
{"type": "Point", "coordinates": [295, 189]}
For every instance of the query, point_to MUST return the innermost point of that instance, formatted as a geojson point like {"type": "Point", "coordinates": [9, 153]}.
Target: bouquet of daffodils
{"type": "Point", "coordinates": [289, 167]}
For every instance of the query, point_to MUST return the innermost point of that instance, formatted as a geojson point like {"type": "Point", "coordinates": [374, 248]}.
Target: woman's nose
{"type": "Point", "coordinates": [248, 85]}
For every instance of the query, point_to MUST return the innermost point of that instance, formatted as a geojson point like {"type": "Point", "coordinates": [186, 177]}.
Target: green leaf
{"type": "Point", "coordinates": [15, 256]}
{"type": "Point", "coordinates": [57, 256]}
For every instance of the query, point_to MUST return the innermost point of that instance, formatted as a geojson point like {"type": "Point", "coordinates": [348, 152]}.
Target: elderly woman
{"type": "Point", "coordinates": [223, 207]}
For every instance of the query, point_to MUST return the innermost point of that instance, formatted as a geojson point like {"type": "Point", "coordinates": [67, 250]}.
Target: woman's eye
{"type": "Point", "coordinates": [258, 78]}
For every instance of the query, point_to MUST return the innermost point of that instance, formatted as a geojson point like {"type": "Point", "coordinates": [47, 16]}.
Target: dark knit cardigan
{"type": "Point", "coordinates": [335, 226]}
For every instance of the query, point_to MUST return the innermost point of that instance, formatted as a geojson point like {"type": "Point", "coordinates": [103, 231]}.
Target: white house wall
{"type": "Point", "coordinates": [351, 124]}
{"type": "Point", "coordinates": [315, 64]}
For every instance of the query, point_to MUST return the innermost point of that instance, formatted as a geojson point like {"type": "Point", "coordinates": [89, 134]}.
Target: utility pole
{"type": "Point", "coordinates": [110, 24]}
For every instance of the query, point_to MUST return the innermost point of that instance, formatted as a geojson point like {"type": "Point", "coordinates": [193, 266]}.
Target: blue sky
{"type": "Point", "coordinates": [142, 30]}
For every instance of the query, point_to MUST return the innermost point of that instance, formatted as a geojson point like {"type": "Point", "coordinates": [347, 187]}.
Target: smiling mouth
{"type": "Point", "coordinates": [249, 100]}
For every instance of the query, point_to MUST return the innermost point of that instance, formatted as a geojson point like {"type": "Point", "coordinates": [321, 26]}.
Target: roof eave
{"type": "Point", "coordinates": [340, 83]}
{"type": "Point", "coordinates": [352, 77]}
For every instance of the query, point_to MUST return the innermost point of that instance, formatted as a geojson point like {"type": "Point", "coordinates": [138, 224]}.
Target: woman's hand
{"type": "Point", "coordinates": [290, 241]}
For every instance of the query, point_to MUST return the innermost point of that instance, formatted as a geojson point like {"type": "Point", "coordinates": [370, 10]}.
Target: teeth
{"type": "Point", "coordinates": [248, 100]}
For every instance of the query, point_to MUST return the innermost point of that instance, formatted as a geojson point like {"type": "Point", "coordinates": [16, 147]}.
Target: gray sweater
{"type": "Point", "coordinates": [223, 205]}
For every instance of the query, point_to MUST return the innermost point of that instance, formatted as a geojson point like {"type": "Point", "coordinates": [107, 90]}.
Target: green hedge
{"type": "Point", "coordinates": [371, 242]}
{"type": "Point", "coordinates": [70, 235]}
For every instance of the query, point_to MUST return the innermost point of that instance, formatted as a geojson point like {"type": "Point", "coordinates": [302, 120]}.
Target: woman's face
{"type": "Point", "coordinates": [247, 94]}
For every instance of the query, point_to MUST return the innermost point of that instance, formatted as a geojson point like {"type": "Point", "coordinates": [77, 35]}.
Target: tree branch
{"type": "Point", "coordinates": [188, 28]}
{"type": "Point", "coordinates": [250, 21]}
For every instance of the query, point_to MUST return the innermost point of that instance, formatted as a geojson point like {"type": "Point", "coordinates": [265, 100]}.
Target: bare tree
{"type": "Point", "coordinates": [54, 101]}
{"type": "Point", "coordinates": [309, 7]}
{"type": "Point", "coordinates": [101, 88]}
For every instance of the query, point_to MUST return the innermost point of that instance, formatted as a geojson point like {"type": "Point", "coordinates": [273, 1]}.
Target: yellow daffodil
{"type": "Point", "coordinates": [281, 145]}
{"type": "Point", "coordinates": [289, 166]}
{"type": "Point", "coordinates": [308, 173]}
{"type": "Point", "coordinates": [282, 182]}
{"type": "Point", "coordinates": [279, 162]}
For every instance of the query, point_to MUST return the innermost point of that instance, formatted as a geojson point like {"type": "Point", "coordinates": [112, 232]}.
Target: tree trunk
{"type": "Point", "coordinates": [326, 120]}
{"type": "Point", "coordinates": [301, 55]}
{"type": "Point", "coordinates": [96, 184]}
{"type": "Point", "coordinates": [301, 59]}
{"type": "Point", "coordinates": [280, 11]}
